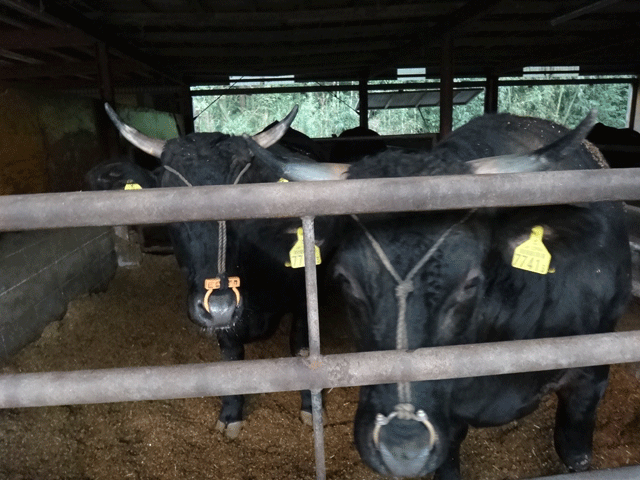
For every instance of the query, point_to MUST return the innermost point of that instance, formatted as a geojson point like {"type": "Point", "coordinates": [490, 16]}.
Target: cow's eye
{"type": "Point", "coordinates": [469, 287]}
{"type": "Point", "coordinates": [349, 286]}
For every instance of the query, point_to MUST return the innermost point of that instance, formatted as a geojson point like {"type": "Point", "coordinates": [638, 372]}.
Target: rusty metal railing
{"type": "Point", "coordinates": [306, 200]}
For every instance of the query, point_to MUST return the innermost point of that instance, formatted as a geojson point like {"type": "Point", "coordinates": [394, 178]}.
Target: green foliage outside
{"type": "Point", "coordinates": [568, 104]}
{"type": "Point", "coordinates": [324, 114]}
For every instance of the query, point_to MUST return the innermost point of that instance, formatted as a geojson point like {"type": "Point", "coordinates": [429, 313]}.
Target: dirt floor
{"type": "Point", "coordinates": [141, 320]}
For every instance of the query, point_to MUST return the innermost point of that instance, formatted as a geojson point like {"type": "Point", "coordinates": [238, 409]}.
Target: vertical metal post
{"type": "Point", "coordinates": [313, 319]}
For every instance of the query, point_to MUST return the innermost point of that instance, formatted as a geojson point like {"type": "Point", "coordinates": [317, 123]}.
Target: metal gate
{"type": "Point", "coordinates": [317, 371]}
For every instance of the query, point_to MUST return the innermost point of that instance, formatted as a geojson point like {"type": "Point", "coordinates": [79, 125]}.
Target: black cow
{"type": "Point", "coordinates": [417, 280]}
{"type": "Point", "coordinates": [355, 143]}
{"type": "Point", "coordinates": [620, 146]}
{"type": "Point", "coordinates": [216, 256]}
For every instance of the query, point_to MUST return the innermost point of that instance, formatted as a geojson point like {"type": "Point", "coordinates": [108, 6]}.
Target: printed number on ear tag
{"type": "Point", "coordinates": [532, 255]}
{"type": "Point", "coordinates": [131, 185]}
{"type": "Point", "coordinates": [296, 255]}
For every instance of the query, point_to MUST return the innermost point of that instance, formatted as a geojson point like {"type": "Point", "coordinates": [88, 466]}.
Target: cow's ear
{"type": "Point", "coordinates": [545, 158]}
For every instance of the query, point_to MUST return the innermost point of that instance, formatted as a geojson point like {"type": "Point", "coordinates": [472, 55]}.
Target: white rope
{"type": "Point", "coordinates": [222, 224]}
{"type": "Point", "coordinates": [403, 288]}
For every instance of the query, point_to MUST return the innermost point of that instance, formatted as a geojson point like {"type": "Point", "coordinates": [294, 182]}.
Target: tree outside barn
{"type": "Point", "coordinates": [323, 114]}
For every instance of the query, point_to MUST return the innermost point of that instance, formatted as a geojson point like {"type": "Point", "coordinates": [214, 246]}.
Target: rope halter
{"type": "Point", "coordinates": [405, 410]}
{"type": "Point", "coordinates": [211, 284]}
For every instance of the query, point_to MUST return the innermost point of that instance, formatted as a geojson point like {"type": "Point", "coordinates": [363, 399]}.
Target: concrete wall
{"type": "Point", "coordinates": [48, 142]}
{"type": "Point", "coordinates": [42, 271]}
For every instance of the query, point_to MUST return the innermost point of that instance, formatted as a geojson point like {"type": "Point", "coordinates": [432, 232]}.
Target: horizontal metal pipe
{"type": "Point", "coordinates": [622, 473]}
{"type": "Point", "coordinates": [353, 369]}
{"type": "Point", "coordinates": [226, 202]}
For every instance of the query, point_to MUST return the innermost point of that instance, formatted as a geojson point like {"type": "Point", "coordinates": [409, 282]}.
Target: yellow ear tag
{"type": "Point", "coordinates": [282, 180]}
{"type": "Point", "coordinates": [532, 255]}
{"type": "Point", "coordinates": [131, 185]}
{"type": "Point", "coordinates": [296, 255]}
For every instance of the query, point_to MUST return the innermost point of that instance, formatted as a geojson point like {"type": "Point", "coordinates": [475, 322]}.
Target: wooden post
{"type": "Point", "coordinates": [446, 87]}
{"type": "Point", "coordinates": [633, 122]}
{"type": "Point", "coordinates": [186, 109]}
{"type": "Point", "coordinates": [363, 92]}
{"type": "Point", "coordinates": [491, 94]}
{"type": "Point", "coordinates": [107, 95]}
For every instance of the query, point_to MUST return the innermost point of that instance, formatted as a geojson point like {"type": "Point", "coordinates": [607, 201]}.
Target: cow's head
{"type": "Point", "coordinates": [209, 253]}
{"type": "Point", "coordinates": [411, 281]}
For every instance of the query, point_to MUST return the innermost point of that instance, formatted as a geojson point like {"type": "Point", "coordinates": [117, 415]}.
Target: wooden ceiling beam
{"type": "Point", "coordinates": [247, 37]}
{"type": "Point", "coordinates": [583, 10]}
{"type": "Point", "coordinates": [29, 10]}
{"type": "Point", "coordinates": [572, 54]}
{"type": "Point", "coordinates": [290, 18]}
{"type": "Point", "coordinates": [469, 12]}
{"type": "Point", "coordinates": [13, 22]}
{"type": "Point", "coordinates": [104, 34]}
{"type": "Point", "coordinates": [37, 38]}
{"type": "Point", "coordinates": [20, 58]}
{"type": "Point", "coordinates": [61, 69]}
{"type": "Point", "coordinates": [293, 50]}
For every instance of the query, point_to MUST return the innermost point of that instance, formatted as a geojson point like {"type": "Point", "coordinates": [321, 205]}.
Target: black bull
{"type": "Point", "coordinates": [217, 256]}
{"type": "Point", "coordinates": [460, 277]}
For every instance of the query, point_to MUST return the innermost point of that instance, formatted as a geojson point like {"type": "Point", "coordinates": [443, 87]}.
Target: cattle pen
{"type": "Point", "coordinates": [317, 371]}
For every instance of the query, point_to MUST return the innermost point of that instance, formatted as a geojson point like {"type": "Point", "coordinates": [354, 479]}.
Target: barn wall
{"type": "Point", "coordinates": [47, 141]}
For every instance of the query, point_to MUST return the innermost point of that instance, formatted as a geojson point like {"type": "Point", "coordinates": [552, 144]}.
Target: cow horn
{"type": "Point", "coordinates": [545, 158]}
{"type": "Point", "coordinates": [152, 146]}
{"type": "Point", "coordinates": [269, 137]}
{"type": "Point", "coordinates": [295, 170]}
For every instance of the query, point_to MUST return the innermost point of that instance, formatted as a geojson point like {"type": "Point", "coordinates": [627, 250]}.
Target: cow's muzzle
{"type": "Point", "coordinates": [405, 440]}
{"type": "Point", "coordinates": [217, 308]}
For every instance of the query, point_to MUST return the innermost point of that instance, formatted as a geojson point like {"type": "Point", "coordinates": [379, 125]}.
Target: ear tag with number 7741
{"type": "Point", "coordinates": [296, 254]}
{"type": "Point", "coordinates": [532, 255]}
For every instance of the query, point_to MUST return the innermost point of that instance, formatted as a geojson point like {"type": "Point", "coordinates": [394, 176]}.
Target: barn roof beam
{"type": "Point", "coordinates": [572, 53]}
{"type": "Point", "coordinates": [33, 12]}
{"type": "Point", "coordinates": [13, 22]}
{"type": "Point", "coordinates": [419, 39]}
{"type": "Point", "coordinates": [262, 35]}
{"type": "Point", "coordinates": [295, 50]}
{"type": "Point", "coordinates": [61, 69]}
{"type": "Point", "coordinates": [69, 17]}
{"type": "Point", "coordinates": [275, 19]}
{"type": "Point", "coordinates": [38, 38]}
{"type": "Point", "coordinates": [589, 8]}
{"type": "Point", "coordinates": [19, 58]}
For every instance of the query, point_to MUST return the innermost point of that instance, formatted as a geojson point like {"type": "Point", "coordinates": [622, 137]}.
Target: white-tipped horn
{"type": "Point", "coordinates": [507, 164]}
{"type": "Point", "coordinates": [269, 137]}
{"type": "Point", "coordinates": [152, 146]}
{"type": "Point", "coordinates": [295, 170]}
{"type": "Point", "coordinates": [544, 158]}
